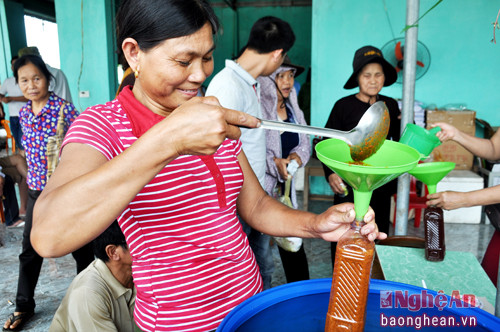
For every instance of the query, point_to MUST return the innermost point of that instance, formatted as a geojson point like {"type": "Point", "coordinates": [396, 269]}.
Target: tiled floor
{"type": "Point", "coordinates": [57, 273]}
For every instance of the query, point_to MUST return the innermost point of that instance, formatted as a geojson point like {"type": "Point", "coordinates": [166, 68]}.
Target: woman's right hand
{"type": "Point", "coordinates": [200, 125]}
{"type": "Point", "coordinates": [447, 132]}
{"type": "Point", "coordinates": [336, 183]}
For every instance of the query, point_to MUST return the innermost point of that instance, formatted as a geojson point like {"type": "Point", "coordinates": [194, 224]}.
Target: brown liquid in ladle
{"type": "Point", "coordinates": [364, 140]}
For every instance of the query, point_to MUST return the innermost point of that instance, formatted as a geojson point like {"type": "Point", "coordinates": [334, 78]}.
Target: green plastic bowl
{"type": "Point", "coordinates": [390, 161]}
{"type": "Point", "coordinates": [421, 139]}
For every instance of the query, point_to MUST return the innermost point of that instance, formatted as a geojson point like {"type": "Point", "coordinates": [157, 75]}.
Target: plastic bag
{"type": "Point", "coordinates": [291, 244]}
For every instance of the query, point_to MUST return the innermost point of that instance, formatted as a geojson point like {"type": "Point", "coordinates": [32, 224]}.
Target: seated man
{"type": "Point", "coordinates": [9, 197]}
{"type": "Point", "coordinates": [9, 200]}
{"type": "Point", "coordinates": [101, 297]}
{"type": "Point", "coordinates": [16, 170]}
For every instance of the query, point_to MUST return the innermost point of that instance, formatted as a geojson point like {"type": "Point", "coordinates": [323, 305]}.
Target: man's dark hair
{"type": "Point", "coordinates": [37, 62]}
{"type": "Point", "coordinates": [270, 33]}
{"type": "Point", "coordinates": [112, 235]}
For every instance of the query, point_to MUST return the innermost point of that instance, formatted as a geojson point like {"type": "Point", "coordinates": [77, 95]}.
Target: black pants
{"type": "Point", "coordinates": [295, 264]}
{"type": "Point", "coordinates": [10, 203]}
{"type": "Point", "coordinates": [30, 263]}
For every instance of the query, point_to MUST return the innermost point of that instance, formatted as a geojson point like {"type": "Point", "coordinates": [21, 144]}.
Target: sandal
{"type": "Point", "coordinates": [17, 223]}
{"type": "Point", "coordinates": [23, 317]}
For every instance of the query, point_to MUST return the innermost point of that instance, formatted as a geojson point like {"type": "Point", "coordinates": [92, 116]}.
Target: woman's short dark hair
{"type": "Point", "coordinates": [270, 33]}
{"type": "Point", "coordinates": [112, 235]}
{"type": "Point", "coordinates": [151, 22]}
{"type": "Point", "coordinates": [36, 61]}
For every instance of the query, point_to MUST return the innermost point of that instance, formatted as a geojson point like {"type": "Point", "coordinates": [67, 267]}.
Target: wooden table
{"type": "Point", "coordinates": [313, 168]}
{"type": "Point", "coordinates": [459, 271]}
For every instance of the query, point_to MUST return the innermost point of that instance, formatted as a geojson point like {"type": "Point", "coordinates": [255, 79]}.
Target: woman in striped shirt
{"type": "Point", "coordinates": [169, 166]}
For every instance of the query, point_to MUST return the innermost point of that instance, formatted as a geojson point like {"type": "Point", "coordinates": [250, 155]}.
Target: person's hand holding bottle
{"type": "Point", "coordinates": [337, 184]}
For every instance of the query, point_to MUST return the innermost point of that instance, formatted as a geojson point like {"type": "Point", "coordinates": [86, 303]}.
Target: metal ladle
{"type": "Point", "coordinates": [364, 139]}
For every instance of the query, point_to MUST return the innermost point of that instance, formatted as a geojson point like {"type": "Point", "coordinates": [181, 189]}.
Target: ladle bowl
{"type": "Point", "coordinates": [390, 161]}
{"type": "Point", "coordinates": [364, 140]}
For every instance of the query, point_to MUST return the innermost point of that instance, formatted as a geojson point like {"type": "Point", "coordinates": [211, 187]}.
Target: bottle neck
{"type": "Point", "coordinates": [356, 225]}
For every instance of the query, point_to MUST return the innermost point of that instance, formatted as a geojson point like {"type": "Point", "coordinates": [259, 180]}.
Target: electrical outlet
{"type": "Point", "coordinates": [85, 94]}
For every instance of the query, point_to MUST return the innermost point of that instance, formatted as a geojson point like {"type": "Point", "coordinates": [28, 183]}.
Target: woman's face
{"type": "Point", "coordinates": [371, 79]}
{"type": "Point", "coordinates": [285, 81]}
{"type": "Point", "coordinates": [171, 73]}
{"type": "Point", "coordinates": [33, 83]}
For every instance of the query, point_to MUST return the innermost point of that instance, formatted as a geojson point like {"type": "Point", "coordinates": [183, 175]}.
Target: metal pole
{"type": "Point", "coordinates": [409, 69]}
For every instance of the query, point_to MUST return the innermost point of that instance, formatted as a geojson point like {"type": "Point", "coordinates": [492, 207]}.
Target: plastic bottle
{"type": "Point", "coordinates": [351, 281]}
{"type": "Point", "coordinates": [292, 167]}
{"type": "Point", "coordinates": [435, 248]}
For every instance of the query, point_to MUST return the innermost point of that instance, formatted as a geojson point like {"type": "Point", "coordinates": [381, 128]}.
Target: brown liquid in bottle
{"type": "Point", "coordinates": [434, 234]}
{"type": "Point", "coordinates": [351, 281]}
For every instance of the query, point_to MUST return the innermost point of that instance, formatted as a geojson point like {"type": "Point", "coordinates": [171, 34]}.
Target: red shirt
{"type": "Point", "coordinates": [192, 262]}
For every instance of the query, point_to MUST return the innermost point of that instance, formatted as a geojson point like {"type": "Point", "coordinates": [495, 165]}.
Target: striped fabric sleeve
{"type": "Point", "coordinates": [93, 128]}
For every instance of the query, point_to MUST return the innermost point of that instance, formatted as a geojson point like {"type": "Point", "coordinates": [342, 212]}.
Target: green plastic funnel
{"type": "Point", "coordinates": [421, 139]}
{"type": "Point", "coordinates": [432, 173]}
{"type": "Point", "coordinates": [390, 161]}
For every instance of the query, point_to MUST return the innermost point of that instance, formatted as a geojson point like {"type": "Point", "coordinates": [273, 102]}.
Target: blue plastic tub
{"type": "Point", "coordinates": [302, 306]}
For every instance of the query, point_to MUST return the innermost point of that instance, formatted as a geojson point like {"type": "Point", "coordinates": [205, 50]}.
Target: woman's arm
{"type": "Point", "coordinates": [484, 148]}
{"type": "Point", "coordinates": [337, 184]}
{"type": "Point", "coordinates": [87, 192]}
{"type": "Point", "coordinates": [303, 150]}
{"type": "Point", "coordinates": [269, 216]}
{"type": "Point", "coordinates": [481, 147]}
{"type": "Point", "coordinates": [450, 200]}
{"type": "Point", "coordinates": [334, 122]}
{"type": "Point", "coordinates": [8, 99]}
{"type": "Point", "coordinates": [273, 151]}
{"type": "Point", "coordinates": [395, 118]}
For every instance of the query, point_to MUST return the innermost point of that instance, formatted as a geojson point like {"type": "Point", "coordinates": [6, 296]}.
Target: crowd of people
{"type": "Point", "coordinates": [168, 201]}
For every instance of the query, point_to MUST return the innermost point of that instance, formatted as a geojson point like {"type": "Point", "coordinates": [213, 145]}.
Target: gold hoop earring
{"type": "Point", "coordinates": [136, 72]}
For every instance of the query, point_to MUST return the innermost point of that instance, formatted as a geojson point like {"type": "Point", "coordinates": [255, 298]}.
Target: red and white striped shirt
{"type": "Point", "coordinates": [192, 262]}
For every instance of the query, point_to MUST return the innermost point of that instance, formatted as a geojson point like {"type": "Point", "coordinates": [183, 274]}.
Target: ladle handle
{"type": "Point", "coordinates": [301, 129]}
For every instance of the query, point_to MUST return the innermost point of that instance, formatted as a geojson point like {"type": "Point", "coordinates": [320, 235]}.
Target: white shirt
{"type": "Point", "coordinates": [237, 89]}
{"type": "Point", "coordinates": [11, 89]}
{"type": "Point", "coordinates": [60, 86]}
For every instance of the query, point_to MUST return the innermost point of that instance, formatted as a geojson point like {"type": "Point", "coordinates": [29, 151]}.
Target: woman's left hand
{"type": "Point", "coordinates": [281, 164]}
{"type": "Point", "coordinates": [448, 200]}
{"type": "Point", "coordinates": [295, 156]}
{"type": "Point", "coordinates": [331, 224]}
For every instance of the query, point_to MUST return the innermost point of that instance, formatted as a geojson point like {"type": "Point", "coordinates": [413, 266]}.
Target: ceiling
{"type": "Point", "coordinates": [44, 9]}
